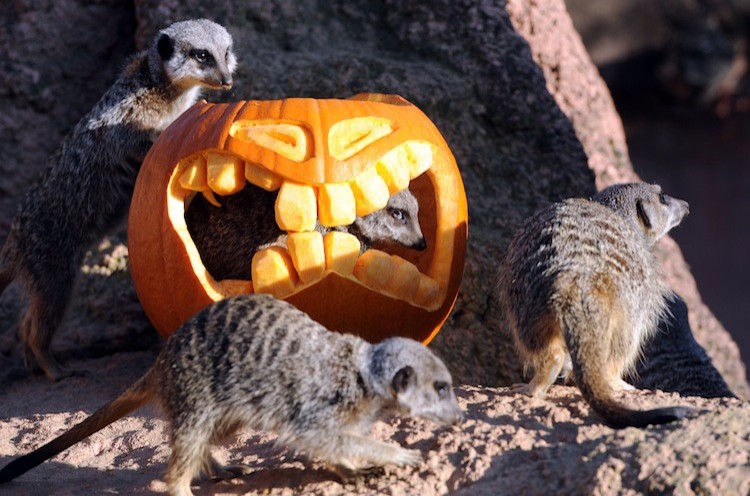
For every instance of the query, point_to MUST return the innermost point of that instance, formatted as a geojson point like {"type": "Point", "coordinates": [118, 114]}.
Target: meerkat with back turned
{"type": "Point", "coordinates": [86, 188]}
{"type": "Point", "coordinates": [256, 361]}
{"type": "Point", "coordinates": [582, 289]}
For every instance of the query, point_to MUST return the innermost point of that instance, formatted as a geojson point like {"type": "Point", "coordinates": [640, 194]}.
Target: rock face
{"type": "Point", "coordinates": [530, 122]}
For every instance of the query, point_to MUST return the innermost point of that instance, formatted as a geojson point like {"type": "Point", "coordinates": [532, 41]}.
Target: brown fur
{"type": "Point", "coordinates": [581, 285]}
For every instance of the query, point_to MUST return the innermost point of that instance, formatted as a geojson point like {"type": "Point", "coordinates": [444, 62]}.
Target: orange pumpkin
{"type": "Point", "coordinates": [326, 161]}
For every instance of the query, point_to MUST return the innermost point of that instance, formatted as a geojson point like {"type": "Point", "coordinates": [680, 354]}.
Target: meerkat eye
{"type": "Point", "coordinates": [442, 389]}
{"type": "Point", "coordinates": [202, 56]}
{"type": "Point", "coordinates": [398, 214]}
{"type": "Point", "coordinates": [662, 198]}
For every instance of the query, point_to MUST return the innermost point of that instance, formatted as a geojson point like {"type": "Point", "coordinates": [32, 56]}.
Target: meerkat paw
{"type": "Point", "coordinates": [407, 457]}
{"type": "Point", "coordinates": [46, 363]}
{"type": "Point", "coordinates": [217, 471]}
{"type": "Point", "coordinates": [528, 390]}
{"type": "Point", "coordinates": [621, 385]}
{"type": "Point", "coordinates": [231, 471]}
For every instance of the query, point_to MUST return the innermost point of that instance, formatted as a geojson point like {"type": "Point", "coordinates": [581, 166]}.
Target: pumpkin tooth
{"type": "Point", "coordinates": [209, 195]}
{"type": "Point", "coordinates": [370, 192]}
{"type": "Point", "coordinates": [261, 177]}
{"type": "Point", "coordinates": [336, 204]}
{"type": "Point", "coordinates": [419, 157]}
{"type": "Point", "coordinates": [394, 168]}
{"type": "Point", "coordinates": [341, 251]}
{"type": "Point", "coordinates": [427, 293]}
{"type": "Point", "coordinates": [405, 280]}
{"type": "Point", "coordinates": [296, 207]}
{"type": "Point", "coordinates": [231, 287]}
{"type": "Point", "coordinates": [374, 269]}
{"type": "Point", "coordinates": [288, 140]}
{"type": "Point", "coordinates": [194, 175]}
{"type": "Point", "coordinates": [348, 137]}
{"type": "Point", "coordinates": [273, 272]}
{"type": "Point", "coordinates": [226, 173]}
{"type": "Point", "coordinates": [308, 255]}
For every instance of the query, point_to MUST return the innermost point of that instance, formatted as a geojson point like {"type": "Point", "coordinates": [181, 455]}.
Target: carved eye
{"type": "Point", "coordinates": [442, 388]}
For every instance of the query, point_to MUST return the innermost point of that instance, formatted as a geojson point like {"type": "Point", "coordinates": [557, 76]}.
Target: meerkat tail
{"type": "Point", "coordinates": [133, 398]}
{"type": "Point", "coordinates": [591, 372]}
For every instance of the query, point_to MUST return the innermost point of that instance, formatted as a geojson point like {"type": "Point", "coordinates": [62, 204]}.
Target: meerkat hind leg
{"type": "Point", "coordinates": [546, 371]}
{"type": "Point", "coordinates": [216, 470]}
{"type": "Point", "coordinates": [42, 318]}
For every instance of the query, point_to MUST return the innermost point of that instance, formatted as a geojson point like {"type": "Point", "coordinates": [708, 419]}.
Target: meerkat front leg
{"type": "Point", "coordinates": [354, 453]}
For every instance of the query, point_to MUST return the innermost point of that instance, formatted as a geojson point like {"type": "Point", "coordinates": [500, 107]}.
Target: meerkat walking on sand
{"type": "Point", "coordinates": [582, 288]}
{"type": "Point", "coordinates": [256, 361]}
{"type": "Point", "coordinates": [87, 186]}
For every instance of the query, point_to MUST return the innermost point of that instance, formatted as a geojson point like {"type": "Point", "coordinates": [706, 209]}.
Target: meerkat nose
{"type": "Point", "coordinates": [420, 245]}
{"type": "Point", "coordinates": [226, 82]}
{"type": "Point", "coordinates": [459, 418]}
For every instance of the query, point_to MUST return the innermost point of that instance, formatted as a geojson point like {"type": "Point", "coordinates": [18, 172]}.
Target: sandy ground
{"type": "Point", "coordinates": [508, 444]}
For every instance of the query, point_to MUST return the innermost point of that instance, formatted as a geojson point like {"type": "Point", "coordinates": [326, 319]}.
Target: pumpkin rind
{"type": "Point", "coordinates": [172, 286]}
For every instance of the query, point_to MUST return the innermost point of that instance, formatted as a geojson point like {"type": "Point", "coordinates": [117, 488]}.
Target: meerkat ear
{"type": "Point", "coordinates": [165, 46]}
{"type": "Point", "coordinates": [402, 379]}
{"type": "Point", "coordinates": [643, 214]}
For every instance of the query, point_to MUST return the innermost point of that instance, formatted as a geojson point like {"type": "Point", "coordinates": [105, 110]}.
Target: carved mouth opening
{"type": "Point", "coordinates": [222, 206]}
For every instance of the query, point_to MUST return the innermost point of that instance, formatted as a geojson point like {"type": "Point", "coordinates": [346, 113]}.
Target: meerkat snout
{"type": "Point", "coordinates": [396, 224]}
{"type": "Point", "coordinates": [655, 213]}
{"type": "Point", "coordinates": [423, 387]}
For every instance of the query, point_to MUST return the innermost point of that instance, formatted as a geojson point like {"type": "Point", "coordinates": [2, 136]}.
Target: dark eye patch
{"type": "Point", "coordinates": [642, 215]}
{"type": "Point", "coordinates": [203, 57]}
{"type": "Point", "coordinates": [442, 388]}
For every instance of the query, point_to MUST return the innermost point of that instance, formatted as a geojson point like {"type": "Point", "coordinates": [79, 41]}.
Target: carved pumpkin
{"type": "Point", "coordinates": [323, 161]}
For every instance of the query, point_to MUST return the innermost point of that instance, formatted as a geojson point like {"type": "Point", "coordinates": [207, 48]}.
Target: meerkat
{"type": "Point", "coordinates": [256, 361]}
{"type": "Point", "coordinates": [582, 289]}
{"type": "Point", "coordinates": [86, 188]}
{"type": "Point", "coordinates": [228, 236]}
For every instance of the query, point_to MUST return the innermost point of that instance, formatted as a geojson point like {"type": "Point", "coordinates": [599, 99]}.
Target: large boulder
{"type": "Point", "coordinates": [530, 122]}
{"type": "Point", "coordinates": [509, 84]}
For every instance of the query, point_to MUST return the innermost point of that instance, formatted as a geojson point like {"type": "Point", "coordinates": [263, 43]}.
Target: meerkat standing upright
{"type": "Point", "coordinates": [86, 188]}
{"type": "Point", "coordinates": [256, 361]}
{"type": "Point", "coordinates": [582, 288]}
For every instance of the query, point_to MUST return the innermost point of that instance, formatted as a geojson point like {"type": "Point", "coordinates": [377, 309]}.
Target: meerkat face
{"type": "Point", "coordinates": [197, 53]}
{"type": "Point", "coordinates": [658, 213]}
{"type": "Point", "coordinates": [654, 212]}
{"type": "Point", "coordinates": [396, 224]}
{"type": "Point", "coordinates": [423, 386]}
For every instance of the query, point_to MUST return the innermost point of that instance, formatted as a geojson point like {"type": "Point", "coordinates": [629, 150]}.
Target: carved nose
{"type": "Point", "coordinates": [420, 245]}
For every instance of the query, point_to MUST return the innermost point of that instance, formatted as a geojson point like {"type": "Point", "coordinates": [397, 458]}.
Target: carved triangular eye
{"type": "Point", "coordinates": [348, 137]}
{"type": "Point", "coordinates": [288, 140]}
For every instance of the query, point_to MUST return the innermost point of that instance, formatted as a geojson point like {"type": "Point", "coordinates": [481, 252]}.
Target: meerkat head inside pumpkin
{"type": "Point", "coordinates": [353, 210]}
